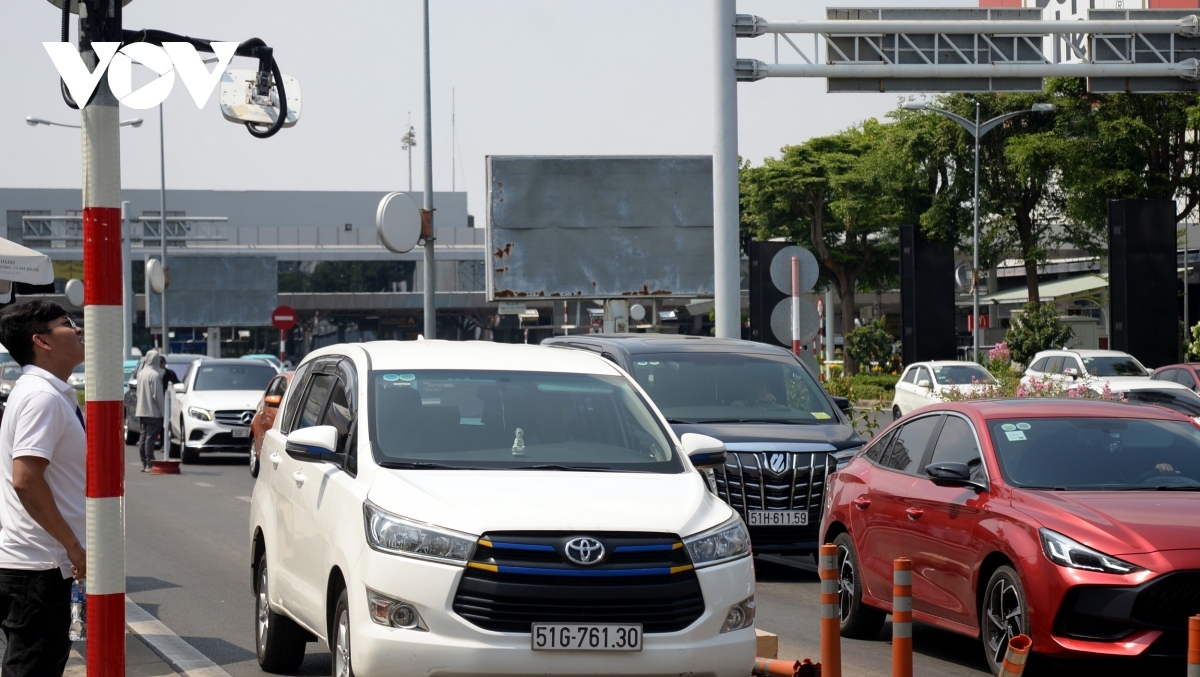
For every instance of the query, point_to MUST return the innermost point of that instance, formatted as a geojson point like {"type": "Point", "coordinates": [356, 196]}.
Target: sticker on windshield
{"type": "Point", "coordinates": [1008, 426]}
{"type": "Point", "coordinates": [820, 414]}
{"type": "Point", "coordinates": [408, 377]}
{"type": "Point", "coordinates": [391, 377]}
{"type": "Point", "coordinates": [1023, 426]}
{"type": "Point", "coordinates": [1015, 435]}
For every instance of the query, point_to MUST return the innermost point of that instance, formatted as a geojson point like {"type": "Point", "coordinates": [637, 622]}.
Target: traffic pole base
{"type": "Point", "coordinates": [165, 467]}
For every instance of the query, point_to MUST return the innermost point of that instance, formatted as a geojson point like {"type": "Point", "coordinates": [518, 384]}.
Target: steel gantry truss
{"type": "Point", "coordinates": [932, 50]}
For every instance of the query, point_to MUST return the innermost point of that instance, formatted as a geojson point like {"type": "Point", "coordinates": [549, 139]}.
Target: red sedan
{"type": "Point", "coordinates": [1076, 522]}
{"type": "Point", "coordinates": [264, 416]}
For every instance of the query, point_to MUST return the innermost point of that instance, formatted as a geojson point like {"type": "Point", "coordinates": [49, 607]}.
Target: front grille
{"type": "Point", "coordinates": [764, 481]}
{"type": "Point", "coordinates": [1169, 601]}
{"type": "Point", "coordinates": [232, 417]}
{"type": "Point", "coordinates": [517, 579]}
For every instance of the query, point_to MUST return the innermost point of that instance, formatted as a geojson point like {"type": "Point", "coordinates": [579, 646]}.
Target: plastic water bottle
{"type": "Point", "coordinates": [78, 629]}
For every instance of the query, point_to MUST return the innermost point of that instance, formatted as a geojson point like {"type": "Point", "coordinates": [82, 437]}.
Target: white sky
{"type": "Point", "coordinates": [532, 77]}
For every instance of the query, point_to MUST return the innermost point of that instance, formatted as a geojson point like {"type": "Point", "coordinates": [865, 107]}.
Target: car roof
{"type": "Point", "coordinates": [1085, 352]}
{"type": "Point", "coordinates": [635, 344]}
{"type": "Point", "coordinates": [1149, 384]}
{"type": "Point", "coordinates": [1056, 407]}
{"type": "Point", "coordinates": [1177, 366]}
{"type": "Point", "coordinates": [472, 355]}
{"type": "Point", "coordinates": [946, 363]}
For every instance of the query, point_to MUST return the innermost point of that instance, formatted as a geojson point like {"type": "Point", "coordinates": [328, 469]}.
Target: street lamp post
{"type": "Point", "coordinates": [977, 131]}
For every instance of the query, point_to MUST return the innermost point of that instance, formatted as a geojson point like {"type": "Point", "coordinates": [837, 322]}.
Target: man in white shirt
{"type": "Point", "coordinates": [43, 451]}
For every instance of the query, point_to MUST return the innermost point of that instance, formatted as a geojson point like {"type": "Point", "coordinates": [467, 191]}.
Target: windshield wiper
{"type": "Point", "coordinates": [558, 466]}
{"type": "Point", "coordinates": [423, 465]}
{"type": "Point", "coordinates": [781, 421]}
{"type": "Point", "coordinates": [680, 420]}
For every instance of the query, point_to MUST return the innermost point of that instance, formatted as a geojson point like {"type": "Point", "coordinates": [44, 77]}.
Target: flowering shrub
{"type": "Point", "coordinates": [1000, 355]}
{"type": "Point", "coordinates": [1011, 386]}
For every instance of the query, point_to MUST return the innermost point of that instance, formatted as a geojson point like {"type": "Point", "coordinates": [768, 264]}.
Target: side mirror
{"type": "Point", "coordinates": [952, 474]}
{"type": "Point", "coordinates": [1071, 371]}
{"type": "Point", "coordinates": [703, 451]}
{"type": "Point", "coordinates": [924, 383]}
{"type": "Point", "coordinates": [842, 404]}
{"type": "Point", "coordinates": [317, 444]}
{"type": "Point", "coordinates": [272, 400]}
{"type": "Point", "coordinates": [180, 388]}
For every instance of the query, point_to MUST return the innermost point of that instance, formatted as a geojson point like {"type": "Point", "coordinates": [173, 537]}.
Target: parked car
{"type": "Point", "coordinates": [273, 359]}
{"type": "Point", "coordinates": [78, 378]}
{"type": "Point", "coordinates": [178, 363]}
{"type": "Point", "coordinates": [9, 373]}
{"type": "Point", "coordinates": [264, 416]}
{"type": "Point", "coordinates": [128, 368]}
{"type": "Point", "coordinates": [927, 382]}
{"type": "Point", "coordinates": [1098, 366]}
{"type": "Point", "coordinates": [491, 509]}
{"type": "Point", "coordinates": [784, 433]}
{"type": "Point", "coordinates": [1072, 521]}
{"type": "Point", "coordinates": [214, 405]}
{"type": "Point", "coordinates": [1183, 374]}
{"type": "Point", "coordinates": [1165, 394]}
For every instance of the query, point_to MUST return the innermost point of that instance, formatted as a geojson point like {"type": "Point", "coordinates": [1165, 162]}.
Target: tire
{"type": "Point", "coordinates": [896, 413]}
{"type": "Point", "coordinates": [858, 620]}
{"type": "Point", "coordinates": [254, 462]}
{"type": "Point", "coordinates": [191, 456]}
{"type": "Point", "coordinates": [278, 641]}
{"type": "Point", "coordinates": [343, 664]}
{"type": "Point", "coordinates": [1003, 615]}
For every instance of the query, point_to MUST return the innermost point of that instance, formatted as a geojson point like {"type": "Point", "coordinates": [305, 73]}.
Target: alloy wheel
{"type": "Point", "coordinates": [845, 583]}
{"type": "Point", "coordinates": [1004, 616]}
{"type": "Point", "coordinates": [263, 620]}
{"type": "Point", "coordinates": [341, 654]}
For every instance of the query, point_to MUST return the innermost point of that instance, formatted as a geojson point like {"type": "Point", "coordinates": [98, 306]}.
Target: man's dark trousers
{"type": "Point", "coordinates": [151, 427]}
{"type": "Point", "coordinates": [35, 614]}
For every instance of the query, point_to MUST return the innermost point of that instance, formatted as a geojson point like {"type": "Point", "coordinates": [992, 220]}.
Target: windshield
{"type": "Point", "coordinates": [1114, 366]}
{"type": "Point", "coordinates": [506, 419]}
{"type": "Point", "coordinates": [78, 369]}
{"type": "Point", "coordinates": [12, 371]}
{"type": "Point", "coordinates": [232, 377]}
{"type": "Point", "coordinates": [711, 387]}
{"type": "Point", "coordinates": [960, 374]}
{"type": "Point", "coordinates": [1097, 453]}
{"type": "Point", "coordinates": [1184, 401]}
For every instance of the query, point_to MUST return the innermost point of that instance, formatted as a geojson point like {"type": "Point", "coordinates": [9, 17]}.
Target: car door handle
{"type": "Point", "coordinates": [862, 503]}
{"type": "Point", "coordinates": [275, 459]}
{"type": "Point", "coordinates": [299, 477]}
{"type": "Point", "coordinates": [914, 513]}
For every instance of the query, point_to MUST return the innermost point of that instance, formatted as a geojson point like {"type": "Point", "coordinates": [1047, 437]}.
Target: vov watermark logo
{"type": "Point", "coordinates": [166, 61]}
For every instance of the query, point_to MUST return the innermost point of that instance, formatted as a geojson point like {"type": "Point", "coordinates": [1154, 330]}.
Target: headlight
{"type": "Point", "coordinates": [843, 457]}
{"type": "Point", "coordinates": [202, 414]}
{"type": "Point", "coordinates": [393, 534]}
{"type": "Point", "coordinates": [5, 389]}
{"type": "Point", "coordinates": [726, 542]}
{"type": "Point", "coordinates": [1068, 553]}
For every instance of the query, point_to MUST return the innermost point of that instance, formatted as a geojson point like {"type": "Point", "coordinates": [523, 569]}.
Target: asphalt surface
{"type": "Point", "coordinates": [188, 565]}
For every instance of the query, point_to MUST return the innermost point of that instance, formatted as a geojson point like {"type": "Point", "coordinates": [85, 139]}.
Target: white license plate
{"type": "Point", "coordinates": [241, 432]}
{"type": "Point", "coordinates": [778, 518]}
{"type": "Point", "coordinates": [586, 637]}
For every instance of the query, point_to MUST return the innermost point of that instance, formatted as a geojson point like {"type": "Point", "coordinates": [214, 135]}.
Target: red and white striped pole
{"type": "Point", "coordinates": [103, 318]}
{"type": "Point", "coordinates": [796, 305]}
{"type": "Point", "coordinates": [902, 652]}
{"type": "Point", "coordinates": [831, 616]}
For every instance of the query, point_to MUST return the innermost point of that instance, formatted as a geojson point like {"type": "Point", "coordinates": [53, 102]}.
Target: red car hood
{"type": "Point", "coordinates": [1118, 522]}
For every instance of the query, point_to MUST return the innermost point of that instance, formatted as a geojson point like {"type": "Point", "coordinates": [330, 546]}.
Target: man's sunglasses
{"type": "Point", "coordinates": [69, 322]}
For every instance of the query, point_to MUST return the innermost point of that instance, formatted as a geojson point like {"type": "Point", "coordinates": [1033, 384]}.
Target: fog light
{"type": "Point", "coordinates": [393, 612]}
{"type": "Point", "coordinates": [741, 615]}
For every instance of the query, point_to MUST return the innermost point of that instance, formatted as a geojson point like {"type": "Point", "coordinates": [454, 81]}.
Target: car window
{"type": "Point", "coordinates": [1123, 365]}
{"type": "Point", "coordinates": [278, 386]}
{"type": "Point", "coordinates": [956, 444]}
{"type": "Point", "coordinates": [299, 383]}
{"type": "Point", "coordinates": [877, 447]}
{"type": "Point", "coordinates": [1164, 375]}
{"type": "Point", "coordinates": [314, 402]}
{"type": "Point", "coordinates": [1054, 365]}
{"type": "Point", "coordinates": [1040, 365]}
{"type": "Point", "coordinates": [12, 372]}
{"type": "Point", "coordinates": [924, 376]}
{"type": "Point", "coordinates": [908, 449]}
{"type": "Point", "coordinates": [338, 414]}
{"type": "Point", "coordinates": [249, 376]}
{"type": "Point", "coordinates": [961, 374]}
{"type": "Point", "coordinates": [1184, 377]}
{"type": "Point", "coordinates": [910, 376]}
{"type": "Point", "coordinates": [510, 419]}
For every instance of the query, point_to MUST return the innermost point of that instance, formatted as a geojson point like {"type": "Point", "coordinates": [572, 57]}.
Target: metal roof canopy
{"type": "Point", "coordinates": [992, 50]}
{"type": "Point", "coordinates": [1055, 290]}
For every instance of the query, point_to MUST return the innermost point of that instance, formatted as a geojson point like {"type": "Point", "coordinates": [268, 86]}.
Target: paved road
{"type": "Point", "coordinates": [188, 565]}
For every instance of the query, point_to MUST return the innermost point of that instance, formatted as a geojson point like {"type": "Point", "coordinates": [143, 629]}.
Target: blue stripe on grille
{"type": "Point", "coordinates": [644, 548]}
{"type": "Point", "coordinates": [523, 546]}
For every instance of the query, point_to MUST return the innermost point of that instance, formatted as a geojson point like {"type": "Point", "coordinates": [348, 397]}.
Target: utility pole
{"type": "Point", "coordinates": [726, 260]}
{"type": "Point", "coordinates": [162, 229]}
{"type": "Point", "coordinates": [427, 213]}
{"type": "Point", "coordinates": [100, 21]}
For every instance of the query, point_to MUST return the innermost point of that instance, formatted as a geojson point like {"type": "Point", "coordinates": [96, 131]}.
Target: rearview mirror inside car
{"type": "Point", "coordinates": [317, 444]}
{"type": "Point", "coordinates": [703, 451]}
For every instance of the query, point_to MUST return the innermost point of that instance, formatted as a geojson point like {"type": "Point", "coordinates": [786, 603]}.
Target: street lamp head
{"type": "Point", "coordinates": [132, 122]}
{"type": "Point", "coordinates": [913, 105]}
{"type": "Point", "coordinates": [34, 122]}
{"type": "Point", "coordinates": [1042, 107]}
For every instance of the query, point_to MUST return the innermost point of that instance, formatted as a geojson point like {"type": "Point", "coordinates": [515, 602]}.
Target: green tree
{"type": "Point", "coordinates": [1037, 327]}
{"type": "Point", "coordinates": [870, 343]}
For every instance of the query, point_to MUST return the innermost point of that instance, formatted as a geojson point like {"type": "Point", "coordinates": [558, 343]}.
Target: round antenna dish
{"type": "Point", "coordinates": [781, 270]}
{"type": "Point", "coordinates": [637, 312]}
{"type": "Point", "coordinates": [156, 276]}
{"type": "Point", "coordinates": [74, 290]}
{"type": "Point", "coordinates": [781, 321]}
{"type": "Point", "coordinates": [398, 222]}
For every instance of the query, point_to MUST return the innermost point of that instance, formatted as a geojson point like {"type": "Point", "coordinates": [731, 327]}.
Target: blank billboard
{"type": "Point", "coordinates": [217, 291]}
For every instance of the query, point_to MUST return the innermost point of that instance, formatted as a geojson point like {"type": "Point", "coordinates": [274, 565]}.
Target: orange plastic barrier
{"type": "Point", "coordinates": [902, 655]}
{"type": "Point", "coordinates": [831, 637]}
{"type": "Point", "coordinates": [1015, 656]}
{"type": "Point", "coordinates": [767, 667]}
{"type": "Point", "coordinates": [1193, 647]}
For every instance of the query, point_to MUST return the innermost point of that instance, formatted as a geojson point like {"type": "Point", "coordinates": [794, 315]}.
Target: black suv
{"type": "Point", "coordinates": [784, 433]}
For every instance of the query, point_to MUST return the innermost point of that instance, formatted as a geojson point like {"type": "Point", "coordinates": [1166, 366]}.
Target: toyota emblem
{"type": "Point", "coordinates": [584, 550]}
{"type": "Point", "coordinates": [247, 417]}
{"type": "Point", "coordinates": [777, 463]}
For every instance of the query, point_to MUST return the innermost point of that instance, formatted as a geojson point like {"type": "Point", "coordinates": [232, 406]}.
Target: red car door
{"type": "Point", "coordinates": [879, 521]}
{"type": "Point", "coordinates": [942, 538]}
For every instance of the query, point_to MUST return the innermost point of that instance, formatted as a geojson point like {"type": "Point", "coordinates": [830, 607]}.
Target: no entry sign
{"type": "Point", "coordinates": [284, 318]}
